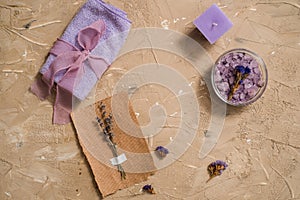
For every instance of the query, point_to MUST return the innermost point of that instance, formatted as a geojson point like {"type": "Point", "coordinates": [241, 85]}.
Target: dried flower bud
{"type": "Point", "coordinates": [216, 168]}
{"type": "Point", "coordinates": [103, 114]}
{"type": "Point", "coordinates": [149, 189]}
{"type": "Point", "coordinates": [107, 120]}
{"type": "Point", "coordinates": [162, 151]}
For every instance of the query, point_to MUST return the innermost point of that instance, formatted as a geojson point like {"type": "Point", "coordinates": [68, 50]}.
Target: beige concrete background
{"type": "Point", "coordinates": [260, 142]}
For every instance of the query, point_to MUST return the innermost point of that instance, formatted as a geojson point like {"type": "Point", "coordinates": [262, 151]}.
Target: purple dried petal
{"type": "Point", "coordinates": [162, 151]}
{"type": "Point", "coordinates": [220, 162]}
{"type": "Point", "coordinates": [216, 168]}
{"type": "Point", "coordinates": [147, 187]}
{"type": "Point", "coordinates": [242, 69]}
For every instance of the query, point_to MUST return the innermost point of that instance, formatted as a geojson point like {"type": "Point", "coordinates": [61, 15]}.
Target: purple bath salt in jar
{"type": "Point", "coordinates": [239, 77]}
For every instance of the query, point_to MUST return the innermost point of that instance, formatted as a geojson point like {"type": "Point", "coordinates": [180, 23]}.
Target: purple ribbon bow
{"type": "Point", "coordinates": [70, 62]}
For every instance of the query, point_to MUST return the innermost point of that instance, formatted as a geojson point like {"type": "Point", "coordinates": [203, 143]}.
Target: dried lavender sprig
{"type": "Point", "coordinates": [115, 153]}
{"type": "Point", "coordinates": [106, 126]}
{"type": "Point", "coordinates": [241, 73]}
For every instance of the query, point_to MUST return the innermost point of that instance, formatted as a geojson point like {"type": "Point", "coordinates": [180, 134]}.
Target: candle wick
{"type": "Point", "coordinates": [214, 24]}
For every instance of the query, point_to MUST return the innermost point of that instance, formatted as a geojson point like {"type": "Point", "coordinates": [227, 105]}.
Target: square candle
{"type": "Point", "coordinates": [213, 23]}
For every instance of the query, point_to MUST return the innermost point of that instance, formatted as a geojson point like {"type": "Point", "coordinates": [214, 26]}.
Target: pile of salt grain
{"type": "Point", "coordinates": [225, 75]}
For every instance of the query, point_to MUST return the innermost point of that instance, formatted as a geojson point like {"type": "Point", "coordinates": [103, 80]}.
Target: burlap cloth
{"type": "Point", "coordinates": [139, 165]}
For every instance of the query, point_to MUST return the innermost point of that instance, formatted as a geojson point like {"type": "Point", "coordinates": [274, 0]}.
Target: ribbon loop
{"type": "Point", "coordinates": [69, 62]}
{"type": "Point", "coordinates": [61, 46]}
{"type": "Point", "coordinates": [88, 37]}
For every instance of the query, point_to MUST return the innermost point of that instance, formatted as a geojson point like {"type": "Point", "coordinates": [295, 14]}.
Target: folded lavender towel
{"type": "Point", "coordinates": [112, 38]}
{"type": "Point", "coordinates": [117, 27]}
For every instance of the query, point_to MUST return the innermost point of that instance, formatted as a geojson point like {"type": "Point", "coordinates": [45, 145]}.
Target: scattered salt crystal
{"type": "Point", "coordinates": [236, 96]}
{"type": "Point", "coordinates": [251, 76]}
{"type": "Point", "coordinates": [8, 194]}
{"type": "Point", "coordinates": [256, 79]}
{"type": "Point", "coordinates": [263, 183]}
{"type": "Point", "coordinates": [242, 96]}
{"type": "Point", "coordinates": [231, 80]}
{"type": "Point", "coordinates": [172, 115]}
{"type": "Point", "coordinates": [247, 57]}
{"type": "Point", "coordinates": [253, 64]}
{"type": "Point", "coordinates": [260, 83]}
{"type": "Point", "coordinates": [228, 60]}
{"type": "Point", "coordinates": [165, 24]}
{"type": "Point", "coordinates": [218, 77]}
{"type": "Point", "coordinates": [191, 166]}
{"type": "Point", "coordinates": [256, 70]}
{"type": "Point", "coordinates": [248, 85]}
{"type": "Point", "coordinates": [224, 86]}
{"type": "Point", "coordinates": [252, 91]}
{"type": "Point", "coordinates": [175, 20]}
{"type": "Point", "coordinates": [202, 83]}
{"type": "Point", "coordinates": [241, 89]}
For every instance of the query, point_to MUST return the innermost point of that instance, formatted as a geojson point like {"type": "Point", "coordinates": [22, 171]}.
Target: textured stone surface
{"type": "Point", "coordinates": [259, 142]}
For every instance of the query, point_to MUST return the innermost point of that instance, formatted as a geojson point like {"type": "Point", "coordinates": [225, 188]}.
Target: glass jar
{"type": "Point", "coordinates": [239, 77]}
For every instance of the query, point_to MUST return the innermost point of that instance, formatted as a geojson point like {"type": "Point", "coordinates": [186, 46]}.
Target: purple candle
{"type": "Point", "coordinates": [213, 23]}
